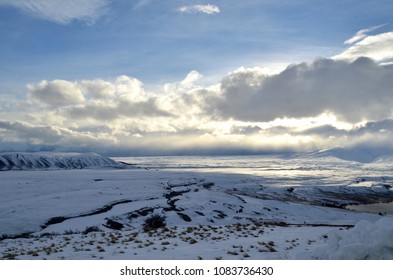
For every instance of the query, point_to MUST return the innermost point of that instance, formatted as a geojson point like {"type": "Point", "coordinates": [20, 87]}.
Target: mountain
{"type": "Point", "coordinates": [364, 155]}
{"type": "Point", "coordinates": [33, 161]}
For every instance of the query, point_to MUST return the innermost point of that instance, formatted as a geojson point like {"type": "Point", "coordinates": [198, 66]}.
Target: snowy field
{"type": "Point", "coordinates": [254, 207]}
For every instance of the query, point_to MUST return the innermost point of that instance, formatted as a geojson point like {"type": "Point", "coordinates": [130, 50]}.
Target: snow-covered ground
{"type": "Point", "coordinates": [214, 208]}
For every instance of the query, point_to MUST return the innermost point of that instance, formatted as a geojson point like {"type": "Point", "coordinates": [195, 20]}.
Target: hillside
{"type": "Point", "coordinates": [39, 161]}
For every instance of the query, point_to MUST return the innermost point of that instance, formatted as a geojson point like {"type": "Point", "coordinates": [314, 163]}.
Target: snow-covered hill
{"type": "Point", "coordinates": [353, 154]}
{"type": "Point", "coordinates": [33, 161]}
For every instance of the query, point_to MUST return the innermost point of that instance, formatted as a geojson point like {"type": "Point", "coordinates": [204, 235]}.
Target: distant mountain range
{"type": "Point", "coordinates": [54, 160]}
{"type": "Point", "coordinates": [364, 155]}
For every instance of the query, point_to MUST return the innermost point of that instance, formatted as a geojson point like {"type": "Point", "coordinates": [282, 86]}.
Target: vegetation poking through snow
{"type": "Point", "coordinates": [154, 222]}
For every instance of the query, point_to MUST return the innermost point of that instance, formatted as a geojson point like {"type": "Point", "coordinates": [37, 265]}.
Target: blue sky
{"type": "Point", "coordinates": [172, 50]}
{"type": "Point", "coordinates": [153, 41]}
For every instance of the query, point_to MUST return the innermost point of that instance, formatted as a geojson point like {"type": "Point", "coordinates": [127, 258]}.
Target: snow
{"type": "Point", "coordinates": [367, 240]}
{"type": "Point", "coordinates": [33, 161]}
{"type": "Point", "coordinates": [215, 208]}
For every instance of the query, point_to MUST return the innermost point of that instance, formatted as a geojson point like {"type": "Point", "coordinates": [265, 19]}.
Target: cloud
{"type": "Point", "coordinates": [195, 9]}
{"type": "Point", "coordinates": [141, 3]}
{"type": "Point", "coordinates": [62, 92]}
{"type": "Point", "coordinates": [377, 47]}
{"type": "Point", "coordinates": [188, 83]}
{"type": "Point", "coordinates": [98, 89]}
{"type": "Point", "coordinates": [61, 12]}
{"type": "Point", "coordinates": [190, 79]}
{"type": "Point", "coordinates": [56, 93]}
{"type": "Point", "coordinates": [95, 101]}
{"type": "Point", "coordinates": [302, 105]}
{"type": "Point", "coordinates": [109, 111]}
{"type": "Point", "coordinates": [246, 130]}
{"type": "Point", "coordinates": [325, 131]}
{"type": "Point", "coordinates": [308, 106]}
{"type": "Point", "coordinates": [361, 34]}
{"type": "Point", "coordinates": [17, 131]}
{"type": "Point", "coordinates": [356, 91]}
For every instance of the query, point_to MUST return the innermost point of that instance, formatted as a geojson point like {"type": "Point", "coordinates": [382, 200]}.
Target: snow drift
{"type": "Point", "coordinates": [367, 240]}
{"type": "Point", "coordinates": [34, 161]}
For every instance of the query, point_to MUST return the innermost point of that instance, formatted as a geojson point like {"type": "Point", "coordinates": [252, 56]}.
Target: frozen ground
{"type": "Point", "coordinates": [214, 208]}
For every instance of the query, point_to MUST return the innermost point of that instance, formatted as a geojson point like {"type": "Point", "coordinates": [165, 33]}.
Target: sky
{"type": "Point", "coordinates": [150, 77]}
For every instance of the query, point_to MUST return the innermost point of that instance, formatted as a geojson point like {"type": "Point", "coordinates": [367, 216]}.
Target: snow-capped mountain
{"type": "Point", "coordinates": [31, 161]}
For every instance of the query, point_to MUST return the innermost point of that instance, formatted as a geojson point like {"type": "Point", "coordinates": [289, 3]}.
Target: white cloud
{"type": "Point", "coordinates": [377, 47]}
{"type": "Point", "coordinates": [94, 101]}
{"type": "Point", "coordinates": [190, 79]}
{"type": "Point", "coordinates": [97, 89]}
{"type": "Point", "coordinates": [62, 12]}
{"type": "Point", "coordinates": [129, 88]}
{"type": "Point", "coordinates": [188, 83]}
{"type": "Point", "coordinates": [194, 9]}
{"type": "Point", "coordinates": [62, 92]}
{"type": "Point", "coordinates": [361, 34]}
{"type": "Point", "coordinates": [56, 93]}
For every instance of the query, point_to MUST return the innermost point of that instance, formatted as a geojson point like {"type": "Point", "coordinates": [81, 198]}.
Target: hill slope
{"type": "Point", "coordinates": [34, 161]}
